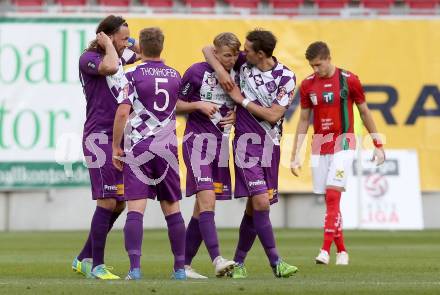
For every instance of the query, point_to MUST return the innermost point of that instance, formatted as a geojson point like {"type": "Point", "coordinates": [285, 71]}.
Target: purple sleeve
{"type": "Point", "coordinates": [240, 61]}
{"type": "Point", "coordinates": [189, 84]}
{"type": "Point", "coordinates": [285, 91]}
{"type": "Point", "coordinates": [128, 57]}
{"type": "Point", "coordinates": [128, 89]}
{"type": "Point", "coordinates": [89, 62]}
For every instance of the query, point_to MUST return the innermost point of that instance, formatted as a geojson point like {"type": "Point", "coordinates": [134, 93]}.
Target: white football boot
{"type": "Point", "coordinates": [342, 258]}
{"type": "Point", "coordinates": [323, 257]}
{"type": "Point", "coordinates": [192, 274]}
{"type": "Point", "coordinates": [222, 266]}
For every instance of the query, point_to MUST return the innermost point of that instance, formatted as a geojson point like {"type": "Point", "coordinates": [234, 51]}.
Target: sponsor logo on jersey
{"type": "Point", "coordinates": [91, 65]}
{"type": "Point", "coordinates": [186, 89]}
{"type": "Point", "coordinates": [328, 85]}
{"type": "Point", "coordinates": [328, 97]}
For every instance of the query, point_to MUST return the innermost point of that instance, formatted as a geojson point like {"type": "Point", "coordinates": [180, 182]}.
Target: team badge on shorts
{"type": "Point", "coordinates": [339, 174]}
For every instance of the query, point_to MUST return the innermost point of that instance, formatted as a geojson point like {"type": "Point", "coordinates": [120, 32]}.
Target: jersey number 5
{"type": "Point", "coordinates": [159, 90]}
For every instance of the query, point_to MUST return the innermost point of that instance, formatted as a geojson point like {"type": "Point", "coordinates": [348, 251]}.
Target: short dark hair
{"type": "Point", "coordinates": [151, 41]}
{"type": "Point", "coordinates": [109, 26]}
{"type": "Point", "coordinates": [262, 40]}
{"type": "Point", "coordinates": [317, 49]}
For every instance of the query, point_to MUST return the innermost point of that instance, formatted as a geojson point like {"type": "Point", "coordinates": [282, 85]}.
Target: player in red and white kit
{"type": "Point", "coordinates": [330, 93]}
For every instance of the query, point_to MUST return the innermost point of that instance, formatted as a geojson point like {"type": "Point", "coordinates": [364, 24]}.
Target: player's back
{"type": "Point", "coordinates": [156, 87]}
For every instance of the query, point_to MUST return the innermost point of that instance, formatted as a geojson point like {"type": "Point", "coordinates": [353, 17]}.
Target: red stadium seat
{"type": "Point", "coordinates": [158, 3]}
{"type": "Point", "coordinates": [422, 4]}
{"type": "Point", "coordinates": [119, 3]}
{"type": "Point", "coordinates": [377, 4]}
{"type": "Point", "coordinates": [332, 4]}
{"type": "Point", "coordinates": [285, 4]}
{"type": "Point", "coordinates": [200, 3]}
{"type": "Point", "coordinates": [71, 2]}
{"type": "Point", "coordinates": [28, 3]}
{"type": "Point", "coordinates": [250, 4]}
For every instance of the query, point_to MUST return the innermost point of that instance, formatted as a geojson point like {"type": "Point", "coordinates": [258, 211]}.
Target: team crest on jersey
{"type": "Point", "coordinates": [313, 98]}
{"type": "Point", "coordinates": [281, 92]}
{"type": "Point", "coordinates": [258, 80]}
{"type": "Point", "coordinates": [211, 81]}
{"type": "Point", "coordinates": [271, 86]}
{"type": "Point", "coordinates": [328, 97]}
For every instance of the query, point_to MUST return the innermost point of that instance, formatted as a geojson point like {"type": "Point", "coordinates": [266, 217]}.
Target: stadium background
{"type": "Point", "coordinates": [391, 48]}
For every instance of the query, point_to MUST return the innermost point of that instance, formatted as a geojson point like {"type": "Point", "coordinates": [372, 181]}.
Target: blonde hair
{"type": "Point", "coordinates": [227, 39]}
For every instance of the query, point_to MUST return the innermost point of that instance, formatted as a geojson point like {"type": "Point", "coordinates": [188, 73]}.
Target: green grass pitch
{"type": "Point", "coordinates": [381, 263]}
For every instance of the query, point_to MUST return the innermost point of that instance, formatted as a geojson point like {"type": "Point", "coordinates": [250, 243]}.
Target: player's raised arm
{"type": "Point", "coordinates": [271, 114]}
{"type": "Point", "coordinates": [110, 61]}
{"type": "Point", "coordinates": [301, 133]}
{"type": "Point", "coordinates": [224, 78]}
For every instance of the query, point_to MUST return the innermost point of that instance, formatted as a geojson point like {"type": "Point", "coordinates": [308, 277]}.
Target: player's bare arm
{"type": "Point", "coordinates": [367, 119]}
{"type": "Point", "coordinates": [118, 132]}
{"type": "Point", "coordinates": [301, 133]}
{"type": "Point", "coordinates": [110, 62]}
{"type": "Point", "coordinates": [223, 76]}
{"type": "Point", "coordinates": [271, 115]}
{"type": "Point", "coordinates": [207, 108]}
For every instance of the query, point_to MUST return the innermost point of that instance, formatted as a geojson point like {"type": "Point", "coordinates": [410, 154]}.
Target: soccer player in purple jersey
{"type": "Point", "coordinates": [151, 167]}
{"type": "Point", "coordinates": [102, 77]}
{"type": "Point", "coordinates": [206, 149]}
{"type": "Point", "coordinates": [266, 92]}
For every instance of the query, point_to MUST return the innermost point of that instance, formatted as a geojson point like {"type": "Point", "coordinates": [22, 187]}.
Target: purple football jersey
{"type": "Point", "coordinates": [152, 169]}
{"type": "Point", "coordinates": [275, 86]}
{"type": "Point", "coordinates": [152, 93]}
{"type": "Point", "coordinates": [200, 83]}
{"type": "Point", "coordinates": [102, 92]}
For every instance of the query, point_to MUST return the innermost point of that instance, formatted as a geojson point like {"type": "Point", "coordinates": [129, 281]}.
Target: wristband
{"type": "Point", "coordinates": [245, 102]}
{"type": "Point", "coordinates": [377, 143]}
